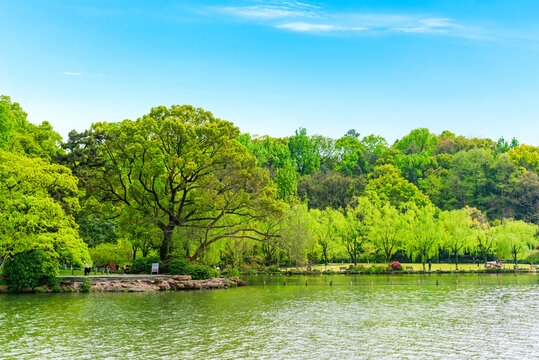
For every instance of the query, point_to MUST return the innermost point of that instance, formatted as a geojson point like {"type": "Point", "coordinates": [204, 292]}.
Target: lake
{"type": "Point", "coordinates": [354, 318]}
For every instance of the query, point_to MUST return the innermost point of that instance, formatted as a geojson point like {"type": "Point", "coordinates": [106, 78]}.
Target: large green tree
{"type": "Point", "coordinates": [185, 169]}
{"type": "Point", "coordinates": [38, 201]}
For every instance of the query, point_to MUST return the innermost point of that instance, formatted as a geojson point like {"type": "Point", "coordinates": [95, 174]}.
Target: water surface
{"type": "Point", "coordinates": [357, 317]}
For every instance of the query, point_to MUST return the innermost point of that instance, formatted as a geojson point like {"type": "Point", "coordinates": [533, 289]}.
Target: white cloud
{"type": "Point", "coordinates": [268, 11]}
{"type": "Point", "coordinates": [72, 73]}
{"type": "Point", "coordinates": [437, 22]}
{"type": "Point", "coordinates": [430, 26]}
{"type": "Point", "coordinates": [307, 27]}
{"type": "Point", "coordinates": [304, 17]}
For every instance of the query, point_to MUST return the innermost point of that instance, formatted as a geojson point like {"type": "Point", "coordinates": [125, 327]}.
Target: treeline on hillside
{"type": "Point", "coordinates": [180, 182]}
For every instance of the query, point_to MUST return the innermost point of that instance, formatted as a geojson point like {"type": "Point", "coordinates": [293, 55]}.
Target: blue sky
{"type": "Point", "coordinates": [382, 67]}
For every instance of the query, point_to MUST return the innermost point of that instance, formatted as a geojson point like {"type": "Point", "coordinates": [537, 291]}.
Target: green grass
{"type": "Point", "coordinates": [81, 272]}
{"type": "Point", "coordinates": [435, 267]}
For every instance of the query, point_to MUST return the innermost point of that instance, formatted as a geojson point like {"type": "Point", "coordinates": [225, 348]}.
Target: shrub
{"type": "Point", "coordinates": [144, 265]}
{"type": "Point", "coordinates": [86, 286]}
{"type": "Point", "coordinates": [30, 269]}
{"type": "Point", "coordinates": [105, 254]}
{"type": "Point", "coordinates": [200, 272]}
{"type": "Point", "coordinates": [182, 266]}
{"type": "Point", "coordinates": [176, 266]}
{"type": "Point", "coordinates": [533, 257]}
{"type": "Point", "coordinates": [395, 265]}
{"type": "Point", "coordinates": [232, 272]}
{"type": "Point", "coordinates": [376, 269]}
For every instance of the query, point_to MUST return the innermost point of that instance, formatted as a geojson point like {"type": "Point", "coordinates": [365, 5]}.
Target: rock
{"type": "Point", "coordinates": [158, 280]}
{"type": "Point", "coordinates": [164, 286]}
{"type": "Point", "coordinates": [182, 277]}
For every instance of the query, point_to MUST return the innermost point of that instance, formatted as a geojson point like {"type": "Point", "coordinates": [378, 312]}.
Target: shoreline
{"type": "Point", "coordinates": [130, 283]}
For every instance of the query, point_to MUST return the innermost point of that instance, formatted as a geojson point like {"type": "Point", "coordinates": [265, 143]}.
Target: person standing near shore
{"type": "Point", "coordinates": [86, 269]}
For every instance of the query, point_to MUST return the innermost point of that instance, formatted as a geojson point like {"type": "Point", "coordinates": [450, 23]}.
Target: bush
{"type": "Point", "coordinates": [105, 254]}
{"type": "Point", "coordinates": [176, 266]}
{"type": "Point", "coordinates": [232, 272]}
{"type": "Point", "coordinates": [395, 265]}
{"type": "Point", "coordinates": [200, 272]}
{"type": "Point", "coordinates": [182, 266]}
{"type": "Point", "coordinates": [533, 257]}
{"type": "Point", "coordinates": [85, 286]}
{"type": "Point", "coordinates": [30, 269]}
{"type": "Point", "coordinates": [144, 265]}
{"type": "Point", "coordinates": [376, 269]}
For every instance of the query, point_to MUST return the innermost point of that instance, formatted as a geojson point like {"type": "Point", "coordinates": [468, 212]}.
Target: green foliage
{"type": "Point", "coordinates": [514, 239]}
{"type": "Point", "coordinates": [418, 141]}
{"type": "Point", "coordinates": [387, 185]}
{"type": "Point", "coordinates": [329, 189]}
{"type": "Point", "coordinates": [38, 200]}
{"type": "Point", "coordinates": [184, 169]}
{"type": "Point", "coordinates": [388, 231]}
{"type": "Point", "coordinates": [358, 223]}
{"type": "Point", "coordinates": [232, 272]}
{"type": "Point", "coordinates": [378, 269]}
{"type": "Point", "coordinates": [182, 266]}
{"type": "Point", "coordinates": [180, 180]}
{"type": "Point", "coordinates": [423, 233]}
{"type": "Point", "coordinates": [304, 152]}
{"type": "Point", "coordinates": [143, 265]}
{"type": "Point", "coordinates": [352, 156]}
{"type": "Point", "coordinates": [105, 254]}
{"type": "Point", "coordinates": [200, 272]}
{"type": "Point", "coordinates": [85, 286]}
{"type": "Point", "coordinates": [525, 156]}
{"type": "Point", "coordinates": [176, 266]}
{"type": "Point", "coordinates": [533, 257]}
{"type": "Point", "coordinates": [20, 136]}
{"type": "Point", "coordinates": [458, 232]}
{"type": "Point", "coordinates": [95, 230]}
{"type": "Point", "coordinates": [29, 270]}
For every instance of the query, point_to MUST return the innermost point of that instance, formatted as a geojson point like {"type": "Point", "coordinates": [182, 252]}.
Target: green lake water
{"type": "Point", "coordinates": [354, 318]}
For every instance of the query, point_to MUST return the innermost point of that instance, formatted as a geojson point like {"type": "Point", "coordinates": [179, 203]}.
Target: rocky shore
{"type": "Point", "coordinates": [149, 284]}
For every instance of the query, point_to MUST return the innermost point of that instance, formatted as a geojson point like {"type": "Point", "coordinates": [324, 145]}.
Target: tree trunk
{"type": "Point", "coordinates": [456, 261]}
{"type": "Point", "coordinates": [165, 245]}
{"type": "Point", "coordinates": [134, 253]}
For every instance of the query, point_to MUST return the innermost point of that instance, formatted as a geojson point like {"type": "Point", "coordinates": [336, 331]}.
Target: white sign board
{"type": "Point", "coordinates": [155, 268]}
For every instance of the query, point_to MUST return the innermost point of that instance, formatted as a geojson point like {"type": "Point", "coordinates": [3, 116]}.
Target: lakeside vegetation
{"type": "Point", "coordinates": [179, 186]}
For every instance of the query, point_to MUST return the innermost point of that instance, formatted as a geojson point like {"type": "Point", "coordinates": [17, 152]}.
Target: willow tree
{"type": "Point", "coordinates": [357, 225]}
{"type": "Point", "coordinates": [388, 231]}
{"type": "Point", "coordinates": [185, 169]}
{"type": "Point", "coordinates": [515, 238]}
{"type": "Point", "coordinates": [424, 232]}
{"type": "Point", "coordinates": [459, 233]}
{"type": "Point", "coordinates": [325, 231]}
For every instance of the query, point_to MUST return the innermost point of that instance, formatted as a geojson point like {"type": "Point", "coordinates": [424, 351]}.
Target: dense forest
{"type": "Point", "coordinates": [180, 182]}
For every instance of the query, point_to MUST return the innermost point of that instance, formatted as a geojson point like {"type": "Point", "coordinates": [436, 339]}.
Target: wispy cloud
{"type": "Point", "coordinates": [431, 26]}
{"type": "Point", "coordinates": [308, 27]}
{"type": "Point", "coordinates": [307, 18]}
{"type": "Point", "coordinates": [267, 12]}
{"type": "Point", "coordinates": [68, 73]}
